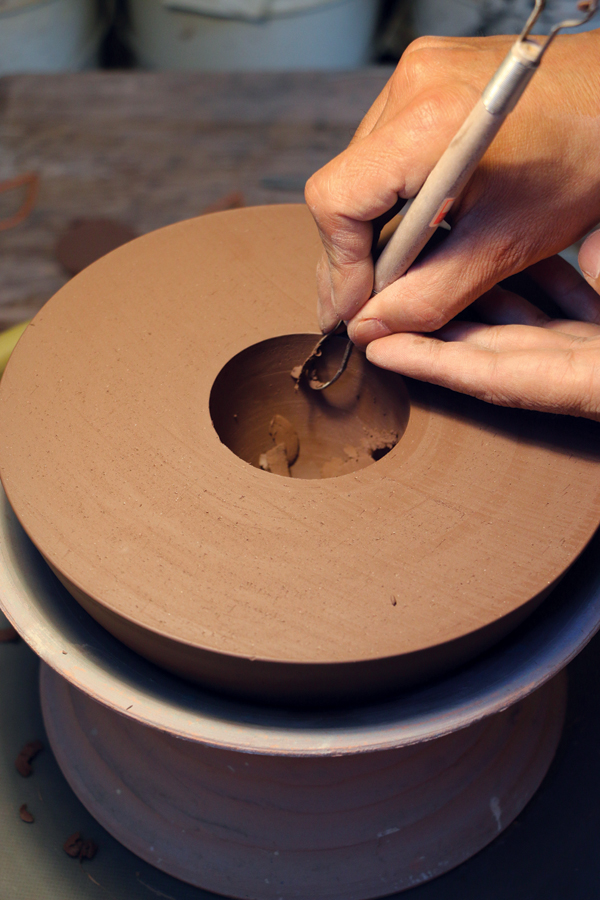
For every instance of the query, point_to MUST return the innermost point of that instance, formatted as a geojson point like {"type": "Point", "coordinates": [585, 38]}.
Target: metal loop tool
{"type": "Point", "coordinates": [425, 213]}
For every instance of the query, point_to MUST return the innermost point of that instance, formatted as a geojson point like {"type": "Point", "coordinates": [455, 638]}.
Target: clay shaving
{"type": "Point", "coordinates": [8, 634]}
{"type": "Point", "coordinates": [26, 755]}
{"type": "Point", "coordinates": [25, 815]}
{"type": "Point", "coordinates": [373, 446]}
{"type": "Point", "coordinates": [77, 847]}
{"type": "Point", "coordinates": [284, 454]}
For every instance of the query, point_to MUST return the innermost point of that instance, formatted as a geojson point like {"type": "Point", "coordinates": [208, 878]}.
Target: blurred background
{"type": "Point", "coordinates": [121, 116]}
{"type": "Point", "coordinates": [240, 35]}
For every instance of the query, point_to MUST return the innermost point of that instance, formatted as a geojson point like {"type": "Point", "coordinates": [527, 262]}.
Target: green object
{"type": "Point", "coordinates": [8, 341]}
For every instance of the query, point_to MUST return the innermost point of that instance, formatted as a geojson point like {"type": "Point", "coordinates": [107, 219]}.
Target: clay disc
{"type": "Point", "coordinates": [280, 588]}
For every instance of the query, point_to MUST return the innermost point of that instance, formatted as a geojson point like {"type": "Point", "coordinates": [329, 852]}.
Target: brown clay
{"type": "Point", "coordinates": [283, 432]}
{"type": "Point", "coordinates": [131, 439]}
{"type": "Point", "coordinates": [73, 844]}
{"type": "Point", "coordinates": [77, 847]}
{"type": "Point", "coordinates": [87, 240]}
{"type": "Point", "coordinates": [275, 460]}
{"type": "Point", "coordinates": [25, 815]}
{"type": "Point", "coordinates": [26, 756]}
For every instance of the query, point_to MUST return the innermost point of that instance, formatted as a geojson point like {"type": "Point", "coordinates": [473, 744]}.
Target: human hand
{"type": "Point", "coordinates": [520, 357]}
{"type": "Point", "coordinates": [536, 191]}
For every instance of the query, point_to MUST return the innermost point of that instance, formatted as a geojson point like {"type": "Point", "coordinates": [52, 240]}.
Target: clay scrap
{"type": "Point", "coordinates": [373, 446]}
{"type": "Point", "coordinates": [77, 847]}
{"type": "Point", "coordinates": [284, 454]}
{"type": "Point", "coordinates": [25, 815]}
{"type": "Point", "coordinates": [25, 757]}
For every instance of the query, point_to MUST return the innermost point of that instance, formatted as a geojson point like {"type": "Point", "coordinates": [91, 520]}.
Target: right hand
{"type": "Point", "coordinates": [536, 191]}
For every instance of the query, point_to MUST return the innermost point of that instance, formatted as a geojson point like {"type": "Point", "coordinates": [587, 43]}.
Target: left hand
{"type": "Point", "coordinates": [520, 357]}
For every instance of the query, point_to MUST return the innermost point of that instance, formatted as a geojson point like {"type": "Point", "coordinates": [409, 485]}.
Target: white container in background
{"type": "Point", "coordinates": [247, 35]}
{"type": "Point", "coordinates": [470, 17]}
{"type": "Point", "coordinates": [48, 35]}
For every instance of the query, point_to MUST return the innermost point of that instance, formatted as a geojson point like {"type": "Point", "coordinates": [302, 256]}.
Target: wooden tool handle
{"type": "Point", "coordinates": [459, 161]}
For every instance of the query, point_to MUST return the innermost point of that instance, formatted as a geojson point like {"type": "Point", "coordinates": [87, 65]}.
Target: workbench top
{"type": "Point", "coordinates": [150, 149]}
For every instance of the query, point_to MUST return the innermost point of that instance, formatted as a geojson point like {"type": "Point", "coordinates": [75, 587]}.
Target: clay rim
{"type": "Point", "coordinates": [79, 650]}
{"type": "Point", "coordinates": [366, 476]}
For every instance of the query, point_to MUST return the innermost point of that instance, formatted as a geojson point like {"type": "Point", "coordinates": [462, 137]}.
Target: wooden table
{"type": "Point", "coordinates": [153, 148]}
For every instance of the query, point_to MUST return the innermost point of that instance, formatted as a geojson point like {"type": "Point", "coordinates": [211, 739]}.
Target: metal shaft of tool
{"type": "Point", "coordinates": [458, 163]}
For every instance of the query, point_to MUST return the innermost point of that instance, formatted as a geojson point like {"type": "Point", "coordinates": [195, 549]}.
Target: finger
{"type": "Point", "coordinates": [434, 60]}
{"type": "Point", "coordinates": [499, 306]}
{"type": "Point", "coordinates": [500, 338]}
{"type": "Point", "coordinates": [467, 264]}
{"type": "Point", "coordinates": [370, 120]}
{"type": "Point", "coordinates": [570, 326]}
{"type": "Point", "coordinates": [365, 181]}
{"type": "Point", "coordinates": [326, 314]}
{"type": "Point", "coordinates": [589, 260]}
{"type": "Point", "coordinates": [567, 288]}
{"type": "Point", "coordinates": [546, 380]}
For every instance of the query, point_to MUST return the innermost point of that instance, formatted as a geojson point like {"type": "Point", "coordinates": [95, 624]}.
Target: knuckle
{"type": "Point", "coordinates": [430, 318]}
{"type": "Point", "coordinates": [418, 64]}
{"type": "Point", "coordinates": [313, 193]}
{"type": "Point", "coordinates": [425, 59]}
{"type": "Point", "coordinates": [347, 248]}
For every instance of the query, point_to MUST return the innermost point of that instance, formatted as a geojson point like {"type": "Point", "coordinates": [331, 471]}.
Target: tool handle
{"type": "Point", "coordinates": [454, 169]}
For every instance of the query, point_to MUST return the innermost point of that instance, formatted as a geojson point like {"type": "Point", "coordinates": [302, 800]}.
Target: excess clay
{"type": "Point", "coordinates": [132, 439]}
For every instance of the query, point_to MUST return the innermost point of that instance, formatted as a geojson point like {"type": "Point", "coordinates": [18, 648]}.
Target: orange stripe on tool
{"type": "Point", "coordinates": [442, 211]}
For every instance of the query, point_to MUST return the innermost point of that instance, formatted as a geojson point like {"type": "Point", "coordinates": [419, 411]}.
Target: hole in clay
{"type": "Point", "coordinates": [258, 413]}
{"type": "Point", "coordinates": [379, 453]}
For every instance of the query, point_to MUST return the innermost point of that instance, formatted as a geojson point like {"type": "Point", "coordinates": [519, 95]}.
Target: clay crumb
{"type": "Point", "coordinates": [275, 461]}
{"type": "Point", "coordinates": [355, 458]}
{"type": "Point", "coordinates": [283, 432]}
{"type": "Point", "coordinates": [73, 844]}
{"type": "Point", "coordinates": [284, 454]}
{"type": "Point", "coordinates": [8, 634]}
{"type": "Point", "coordinates": [26, 755]}
{"type": "Point", "coordinates": [393, 599]}
{"type": "Point", "coordinates": [88, 849]}
{"type": "Point", "coordinates": [374, 446]}
{"type": "Point", "coordinates": [25, 815]}
{"type": "Point", "coordinates": [378, 443]}
{"type": "Point", "coordinates": [296, 373]}
{"type": "Point", "coordinates": [77, 847]}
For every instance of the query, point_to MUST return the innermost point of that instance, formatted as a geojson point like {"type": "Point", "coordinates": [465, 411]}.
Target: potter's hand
{"type": "Point", "coordinates": [536, 191]}
{"type": "Point", "coordinates": [521, 357]}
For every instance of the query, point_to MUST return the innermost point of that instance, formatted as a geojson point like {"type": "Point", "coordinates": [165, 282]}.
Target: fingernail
{"type": "Point", "coordinates": [368, 330]}
{"type": "Point", "coordinates": [589, 256]}
{"type": "Point", "coordinates": [327, 317]}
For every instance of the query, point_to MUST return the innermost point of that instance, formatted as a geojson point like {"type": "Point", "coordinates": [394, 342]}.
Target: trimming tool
{"type": "Point", "coordinates": [425, 213]}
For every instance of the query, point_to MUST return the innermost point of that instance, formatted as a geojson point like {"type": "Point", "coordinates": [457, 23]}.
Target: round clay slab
{"type": "Point", "coordinates": [277, 588]}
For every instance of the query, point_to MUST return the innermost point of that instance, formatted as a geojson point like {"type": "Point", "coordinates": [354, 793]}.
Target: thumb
{"type": "Point", "coordinates": [589, 260]}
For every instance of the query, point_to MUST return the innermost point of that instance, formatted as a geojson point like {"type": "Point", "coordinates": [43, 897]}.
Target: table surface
{"type": "Point", "coordinates": [150, 149]}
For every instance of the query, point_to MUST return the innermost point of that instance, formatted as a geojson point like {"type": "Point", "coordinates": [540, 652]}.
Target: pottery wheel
{"type": "Point", "coordinates": [135, 410]}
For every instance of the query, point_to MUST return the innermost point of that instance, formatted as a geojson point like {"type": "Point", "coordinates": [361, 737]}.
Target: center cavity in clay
{"type": "Point", "coordinates": [260, 415]}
